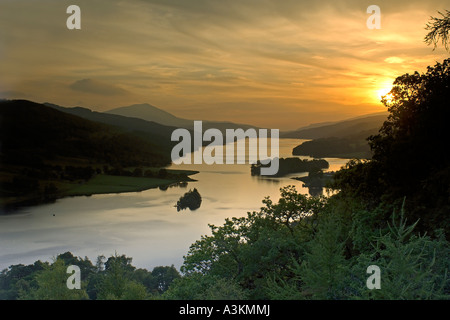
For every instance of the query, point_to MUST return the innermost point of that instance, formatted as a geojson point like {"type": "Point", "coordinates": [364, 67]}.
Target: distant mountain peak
{"type": "Point", "coordinates": [142, 106]}
{"type": "Point", "coordinates": [149, 112]}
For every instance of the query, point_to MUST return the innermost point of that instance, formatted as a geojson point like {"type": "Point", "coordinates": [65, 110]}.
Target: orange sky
{"type": "Point", "coordinates": [278, 64]}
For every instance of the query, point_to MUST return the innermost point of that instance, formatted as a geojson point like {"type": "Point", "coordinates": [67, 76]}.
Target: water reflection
{"type": "Point", "coordinates": [143, 225]}
{"type": "Point", "coordinates": [265, 179]}
{"type": "Point", "coordinates": [181, 184]}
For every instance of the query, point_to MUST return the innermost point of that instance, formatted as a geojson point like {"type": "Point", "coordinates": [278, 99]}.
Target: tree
{"type": "Point", "coordinates": [163, 277]}
{"type": "Point", "coordinates": [439, 30]}
{"type": "Point", "coordinates": [412, 140]}
{"type": "Point", "coordinates": [85, 265]}
{"type": "Point", "coordinates": [191, 199]}
{"type": "Point", "coordinates": [324, 269]}
{"type": "Point", "coordinates": [322, 272]}
{"type": "Point", "coordinates": [138, 172]}
{"type": "Point", "coordinates": [412, 266]}
{"type": "Point", "coordinates": [200, 287]}
{"type": "Point", "coordinates": [410, 157]}
{"type": "Point", "coordinates": [117, 282]}
{"type": "Point", "coordinates": [18, 279]}
{"type": "Point", "coordinates": [52, 284]}
{"type": "Point", "coordinates": [162, 173]}
{"type": "Point", "coordinates": [250, 249]}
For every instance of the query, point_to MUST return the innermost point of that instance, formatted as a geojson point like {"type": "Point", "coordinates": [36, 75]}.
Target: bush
{"type": "Point", "coordinates": [412, 266]}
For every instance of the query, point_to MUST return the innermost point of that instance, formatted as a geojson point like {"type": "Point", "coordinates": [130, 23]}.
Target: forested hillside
{"type": "Point", "coordinates": [42, 147]}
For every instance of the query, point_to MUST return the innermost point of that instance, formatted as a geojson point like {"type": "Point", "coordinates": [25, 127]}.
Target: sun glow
{"type": "Point", "coordinates": [384, 92]}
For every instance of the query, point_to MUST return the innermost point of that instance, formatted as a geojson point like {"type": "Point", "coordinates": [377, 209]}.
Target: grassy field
{"type": "Point", "coordinates": [102, 184]}
{"type": "Point", "coordinates": [98, 184]}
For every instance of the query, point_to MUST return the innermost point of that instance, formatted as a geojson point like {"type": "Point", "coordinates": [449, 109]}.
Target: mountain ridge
{"type": "Point", "coordinates": [370, 123]}
{"type": "Point", "coordinates": [28, 126]}
{"type": "Point", "coordinates": [149, 112]}
{"type": "Point", "coordinates": [158, 131]}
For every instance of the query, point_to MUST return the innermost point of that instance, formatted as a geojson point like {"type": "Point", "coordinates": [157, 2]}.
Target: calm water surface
{"type": "Point", "coordinates": [143, 225]}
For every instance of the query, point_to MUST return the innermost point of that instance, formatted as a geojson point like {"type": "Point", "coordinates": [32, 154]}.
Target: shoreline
{"type": "Point", "coordinates": [99, 184]}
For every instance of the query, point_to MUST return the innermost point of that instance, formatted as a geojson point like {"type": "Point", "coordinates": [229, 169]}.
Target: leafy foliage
{"type": "Point", "coordinates": [113, 279]}
{"type": "Point", "coordinates": [439, 30]}
{"type": "Point", "coordinates": [200, 287]}
{"type": "Point", "coordinates": [247, 249]}
{"type": "Point", "coordinates": [309, 247]}
{"type": "Point", "coordinates": [51, 285]}
{"type": "Point", "coordinates": [297, 248]}
{"type": "Point", "coordinates": [43, 147]}
{"type": "Point", "coordinates": [409, 157]}
{"type": "Point", "coordinates": [324, 268]}
{"type": "Point", "coordinates": [413, 266]}
{"type": "Point", "coordinates": [191, 199]}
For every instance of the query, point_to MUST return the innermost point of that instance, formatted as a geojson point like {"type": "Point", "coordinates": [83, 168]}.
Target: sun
{"type": "Point", "coordinates": [384, 92]}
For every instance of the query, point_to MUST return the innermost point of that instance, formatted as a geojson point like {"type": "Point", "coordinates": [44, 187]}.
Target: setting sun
{"type": "Point", "coordinates": [388, 97]}
{"type": "Point", "coordinates": [212, 150]}
{"type": "Point", "coordinates": [384, 92]}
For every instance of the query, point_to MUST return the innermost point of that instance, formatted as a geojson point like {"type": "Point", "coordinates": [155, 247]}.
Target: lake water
{"type": "Point", "coordinates": [143, 225]}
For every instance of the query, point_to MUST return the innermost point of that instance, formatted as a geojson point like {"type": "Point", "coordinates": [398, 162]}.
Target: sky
{"type": "Point", "coordinates": [271, 63]}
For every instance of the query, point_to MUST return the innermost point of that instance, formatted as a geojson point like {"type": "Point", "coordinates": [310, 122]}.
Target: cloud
{"type": "Point", "coordinates": [13, 95]}
{"type": "Point", "coordinates": [394, 60]}
{"type": "Point", "coordinates": [315, 57]}
{"type": "Point", "coordinates": [97, 87]}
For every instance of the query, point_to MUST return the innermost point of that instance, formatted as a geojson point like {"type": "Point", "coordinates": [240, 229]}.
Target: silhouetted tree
{"type": "Point", "coordinates": [191, 199]}
{"type": "Point", "coordinates": [439, 30]}
{"type": "Point", "coordinates": [162, 173]}
{"type": "Point", "coordinates": [137, 172]}
{"type": "Point", "coordinates": [410, 157]}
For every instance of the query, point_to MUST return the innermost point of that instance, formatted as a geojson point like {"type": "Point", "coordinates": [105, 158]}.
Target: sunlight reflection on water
{"type": "Point", "coordinates": [143, 225]}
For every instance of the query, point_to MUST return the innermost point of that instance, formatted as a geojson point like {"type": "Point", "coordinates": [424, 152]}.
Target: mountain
{"type": "Point", "coordinates": [151, 113]}
{"type": "Point", "coordinates": [343, 139]}
{"type": "Point", "coordinates": [370, 124]}
{"type": "Point", "coordinates": [158, 133]}
{"type": "Point", "coordinates": [315, 125]}
{"type": "Point", "coordinates": [33, 133]}
{"type": "Point", "coordinates": [45, 153]}
{"type": "Point", "coordinates": [355, 146]}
